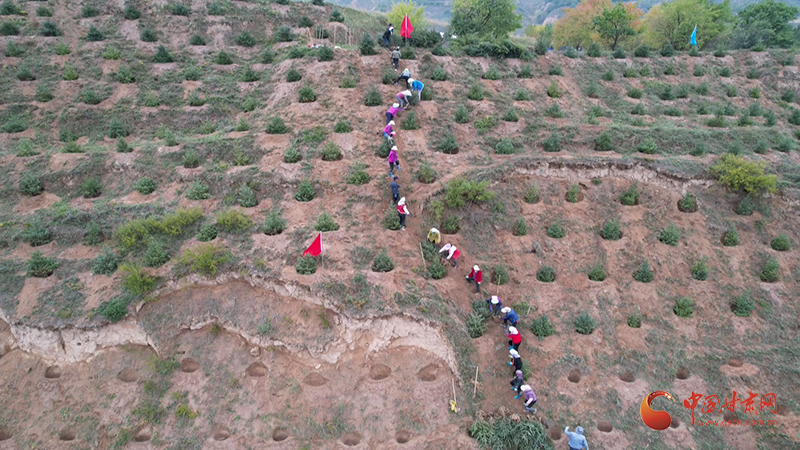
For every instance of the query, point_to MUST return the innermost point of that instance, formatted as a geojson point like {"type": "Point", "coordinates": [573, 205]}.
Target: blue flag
{"type": "Point", "coordinates": [693, 39]}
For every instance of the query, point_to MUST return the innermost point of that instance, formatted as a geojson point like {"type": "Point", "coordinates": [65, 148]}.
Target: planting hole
{"type": "Point", "coordinates": [554, 433]}
{"type": "Point", "coordinates": [66, 434]}
{"type": "Point", "coordinates": [128, 376]}
{"type": "Point", "coordinates": [280, 435]}
{"type": "Point", "coordinates": [402, 437]}
{"type": "Point", "coordinates": [189, 365]}
{"type": "Point", "coordinates": [735, 362]}
{"type": "Point", "coordinates": [627, 377]}
{"type": "Point", "coordinates": [574, 376]}
{"type": "Point", "coordinates": [351, 439]}
{"type": "Point", "coordinates": [315, 379]}
{"type": "Point", "coordinates": [428, 373]}
{"type": "Point", "coordinates": [782, 411]}
{"type": "Point", "coordinates": [220, 433]}
{"type": "Point", "coordinates": [604, 426]}
{"type": "Point", "coordinates": [257, 369]}
{"type": "Point", "coordinates": [5, 434]}
{"type": "Point", "coordinates": [141, 434]}
{"type": "Point", "coordinates": [675, 423]}
{"type": "Point", "coordinates": [730, 416]}
{"type": "Point", "coordinates": [52, 372]}
{"type": "Point", "coordinates": [379, 372]}
{"type": "Point", "coordinates": [682, 373]}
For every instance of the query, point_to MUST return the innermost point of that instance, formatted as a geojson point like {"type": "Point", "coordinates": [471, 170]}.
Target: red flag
{"type": "Point", "coordinates": [406, 28]}
{"type": "Point", "coordinates": [315, 248]}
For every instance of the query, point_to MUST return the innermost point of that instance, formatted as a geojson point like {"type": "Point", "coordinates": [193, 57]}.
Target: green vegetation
{"type": "Point", "coordinates": [597, 272]}
{"type": "Point", "coordinates": [643, 274]}
{"type": "Point", "coordinates": [684, 307]}
{"type": "Point", "coordinates": [233, 221]}
{"type": "Point", "coordinates": [700, 270]}
{"type": "Point", "coordinates": [546, 274]}
{"type": "Point", "coordinates": [204, 259]}
{"type": "Point", "coordinates": [476, 325]}
{"type": "Point", "coordinates": [135, 280]}
{"type": "Point", "coordinates": [584, 323]}
{"type": "Point", "coordinates": [382, 262]}
{"type": "Point", "coordinates": [41, 266]}
{"type": "Point", "coordinates": [670, 235]}
{"type": "Point", "coordinates": [306, 265]}
{"type": "Point", "coordinates": [781, 243]}
{"type": "Point", "coordinates": [326, 223]}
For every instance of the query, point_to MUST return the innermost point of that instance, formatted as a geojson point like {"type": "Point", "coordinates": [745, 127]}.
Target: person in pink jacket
{"type": "Point", "coordinates": [402, 212]}
{"type": "Point", "coordinates": [391, 113]}
{"type": "Point", "coordinates": [388, 130]}
{"type": "Point", "coordinates": [393, 161]}
{"type": "Point", "coordinates": [403, 98]}
{"type": "Point", "coordinates": [452, 253]}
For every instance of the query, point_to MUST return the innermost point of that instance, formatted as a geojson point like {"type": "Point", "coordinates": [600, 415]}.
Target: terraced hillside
{"type": "Point", "coordinates": [164, 167]}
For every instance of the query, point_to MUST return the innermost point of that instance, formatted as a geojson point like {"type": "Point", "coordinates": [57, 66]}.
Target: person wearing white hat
{"type": "Point", "coordinates": [516, 360]}
{"type": "Point", "coordinates": [404, 76]}
{"type": "Point", "coordinates": [391, 113]}
{"type": "Point", "coordinates": [402, 212]}
{"type": "Point", "coordinates": [577, 441]}
{"type": "Point", "coordinates": [393, 160]}
{"type": "Point", "coordinates": [477, 276]}
{"type": "Point", "coordinates": [514, 338]}
{"type": "Point", "coordinates": [388, 130]}
{"type": "Point", "coordinates": [510, 316]}
{"type": "Point", "coordinates": [529, 398]}
{"type": "Point", "coordinates": [452, 253]}
{"type": "Point", "coordinates": [417, 86]}
{"type": "Point", "coordinates": [495, 304]}
{"type": "Point", "coordinates": [403, 98]}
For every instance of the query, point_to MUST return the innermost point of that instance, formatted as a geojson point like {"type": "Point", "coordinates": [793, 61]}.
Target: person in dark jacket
{"type": "Point", "coordinates": [396, 58]}
{"type": "Point", "coordinates": [395, 190]}
{"type": "Point", "coordinates": [516, 382]}
{"type": "Point", "coordinates": [388, 35]}
{"type": "Point", "coordinates": [516, 360]}
{"type": "Point", "coordinates": [404, 76]}
{"type": "Point", "coordinates": [510, 316]}
{"type": "Point", "coordinates": [495, 305]}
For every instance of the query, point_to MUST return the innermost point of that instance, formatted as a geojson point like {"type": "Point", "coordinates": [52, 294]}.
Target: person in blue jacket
{"type": "Point", "coordinates": [417, 86]}
{"type": "Point", "coordinates": [510, 316]}
{"type": "Point", "coordinates": [577, 441]}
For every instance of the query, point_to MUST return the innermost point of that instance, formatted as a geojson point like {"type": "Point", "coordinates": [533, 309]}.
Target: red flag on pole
{"type": "Point", "coordinates": [406, 28]}
{"type": "Point", "coordinates": [315, 248]}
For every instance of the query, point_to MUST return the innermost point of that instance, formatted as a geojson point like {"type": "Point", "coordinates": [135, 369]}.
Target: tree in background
{"type": "Point", "coordinates": [614, 24]}
{"type": "Point", "coordinates": [765, 23]}
{"type": "Point", "coordinates": [672, 23]}
{"type": "Point", "coordinates": [495, 18]}
{"type": "Point", "coordinates": [416, 14]}
{"type": "Point", "coordinates": [576, 28]}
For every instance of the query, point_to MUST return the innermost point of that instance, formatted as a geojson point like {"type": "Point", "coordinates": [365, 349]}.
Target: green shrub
{"type": "Point", "coordinates": [436, 270]}
{"type": "Point", "coordinates": [25, 74]}
{"type": "Point", "coordinates": [30, 184]}
{"type": "Point", "coordinates": [43, 93]}
{"type": "Point", "coordinates": [47, 29]}
{"type": "Point", "coordinates": [546, 274]}
{"type": "Point", "coordinates": [718, 121]}
{"type": "Point", "coordinates": [306, 265]}
{"type": "Point", "coordinates": [671, 112]}
{"type": "Point", "coordinates": [197, 40]}
{"type": "Point", "coordinates": [94, 34]}
{"type": "Point", "coordinates": [700, 270]}
{"type": "Point", "coordinates": [555, 70]}
{"type": "Point", "coordinates": [520, 228]}
{"type": "Point", "coordinates": [642, 51]}
{"type": "Point", "coordinates": [618, 53]}
{"type": "Point", "coordinates": [216, 8]}
{"type": "Point", "coordinates": [348, 82]}
{"type": "Point", "coordinates": [117, 129]}
{"type": "Point", "coordinates": [91, 188]}
{"type": "Point", "coordinates": [731, 237]}
{"type": "Point", "coordinates": [451, 225]}
{"type": "Point", "coordinates": [291, 156]}
{"type": "Point", "coordinates": [204, 258]}
{"type": "Point", "coordinates": [326, 223]}
{"type": "Point", "coordinates": [191, 160]}
{"type": "Point", "coordinates": [245, 39]}
{"type": "Point", "coordinates": [40, 266]}
{"type": "Point", "coordinates": [425, 173]}
{"type": "Point", "coordinates": [635, 321]}
{"type": "Point", "coordinates": [410, 121]}
{"type": "Point", "coordinates": [390, 220]}
{"type": "Point", "coordinates": [276, 126]}
{"type": "Point", "coordinates": [476, 92]}
{"type": "Point", "coordinates": [603, 143]}
{"type": "Point", "coordinates": [383, 149]}
{"type": "Point", "coordinates": [367, 46]}
{"type": "Point", "coordinates": [769, 273]}
{"type": "Point", "coordinates": [382, 262]}
{"type": "Point", "coordinates": [541, 327]}
{"type": "Point", "coordinates": [274, 223]}
{"type": "Point", "coordinates": [208, 232]}
{"type": "Point", "coordinates": [597, 272]}
{"type": "Point", "coordinates": [155, 255]}
{"type": "Point", "coordinates": [499, 275]}
{"type": "Point", "coordinates": [224, 59]}
{"type": "Point", "coordinates": [532, 194]}
{"type": "Point", "coordinates": [135, 280]}
{"type": "Point", "coordinates": [246, 197]}
{"type": "Point", "coordinates": [504, 147]}
{"type": "Point", "coordinates": [357, 174]}
{"type": "Point", "coordinates": [292, 76]}
{"type": "Point", "coordinates": [630, 73]}
{"type": "Point", "coordinates": [233, 221]}
{"type": "Point", "coordinates": [325, 54]}
{"type": "Point", "coordinates": [643, 274]}
{"type": "Point", "coordinates": [631, 196]}
{"type": "Point", "coordinates": [592, 90]}
{"type": "Point", "coordinates": [739, 174]}
{"type": "Point", "coordinates": [743, 305]}
{"type": "Point", "coordinates": [93, 235]}
{"type": "Point", "coordinates": [461, 114]}
{"type": "Point", "coordinates": [145, 186]}
{"type": "Point", "coordinates": [554, 111]}
{"type": "Point", "coordinates": [72, 147]}
{"type": "Point", "coordinates": [525, 71]}
{"type": "Point", "coordinates": [670, 235]}
{"type": "Point", "coordinates": [249, 75]}
{"type": "Point", "coordinates": [460, 191]}
{"type": "Point", "coordinates": [754, 93]}
{"type": "Point", "coordinates": [684, 307]}
{"type": "Point", "coordinates": [439, 74]}
{"type": "Point", "coordinates": [180, 9]}
{"type": "Point", "coordinates": [556, 231]}
{"type": "Point", "coordinates": [373, 97]}
{"type": "Point", "coordinates": [688, 203]}
{"type": "Point", "coordinates": [43, 11]}
{"type": "Point", "coordinates": [342, 126]}
{"type": "Point", "coordinates": [198, 191]}
{"type": "Point", "coordinates": [510, 115]}
{"type": "Point", "coordinates": [553, 91]}
{"type": "Point", "coordinates": [446, 143]}
{"type": "Point", "coordinates": [331, 152]}
{"type": "Point", "coordinates": [781, 243]}
{"type": "Point", "coordinates": [162, 55]}
{"type": "Point", "coordinates": [731, 90]}
{"type": "Point", "coordinates": [476, 325]}
{"type": "Point", "coordinates": [336, 16]}
{"type": "Point", "coordinates": [594, 50]}
{"type": "Point", "coordinates": [552, 144]}
{"type": "Point", "coordinates": [572, 193]}
{"type": "Point", "coordinates": [90, 96]}
{"type": "Point", "coordinates": [148, 35]}
{"type": "Point", "coordinates": [584, 323]}
{"type": "Point", "coordinates": [115, 310]}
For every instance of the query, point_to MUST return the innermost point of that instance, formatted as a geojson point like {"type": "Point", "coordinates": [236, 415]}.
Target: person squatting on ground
{"type": "Point", "coordinates": [514, 338]}
{"type": "Point", "coordinates": [404, 98]}
{"type": "Point", "coordinates": [434, 237]}
{"type": "Point", "coordinates": [388, 35]}
{"type": "Point", "coordinates": [395, 190]}
{"type": "Point", "coordinates": [529, 398]}
{"type": "Point", "coordinates": [391, 113]}
{"type": "Point", "coordinates": [516, 382]}
{"type": "Point", "coordinates": [516, 360]}
{"type": "Point", "coordinates": [396, 58]}
{"type": "Point", "coordinates": [388, 131]}
{"type": "Point", "coordinates": [404, 76]}
{"type": "Point", "coordinates": [393, 160]}
{"type": "Point", "coordinates": [477, 276]}
{"type": "Point", "coordinates": [577, 441]}
{"type": "Point", "coordinates": [494, 305]}
{"type": "Point", "coordinates": [402, 212]}
{"type": "Point", "coordinates": [452, 253]}
{"type": "Point", "coordinates": [510, 316]}
{"type": "Point", "coordinates": [417, 86]}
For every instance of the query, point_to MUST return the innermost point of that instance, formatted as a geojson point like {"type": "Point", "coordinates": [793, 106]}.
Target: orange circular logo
{"type": "Point", "coordinates": [655, 419]}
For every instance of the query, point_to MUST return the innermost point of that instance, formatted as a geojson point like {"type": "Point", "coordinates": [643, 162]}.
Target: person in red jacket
{"type": "Point", "coordinates": [477, 276]}
{"type": "Point", "coordinates": [514, 338]}
{"type": "Point", "coordinates": [402, 212]}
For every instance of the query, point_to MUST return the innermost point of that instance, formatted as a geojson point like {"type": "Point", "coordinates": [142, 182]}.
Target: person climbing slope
{"type": "Point", "coordinates": [402, 212]}
{"type": "Point", "coordinates": [516, 382]}
{"type": "Point", "coordinates": [577, 441]}
{"type": "Point", "coordinates": [477, 276]}
{"type": "Point", "coordinates": [434, 237]}
{"type": "Point", "coordinates": [404, 76]}
{"type": "Point", "coordinates": [395, 190]}
{"type": "Point", "coordinates": [388, 35]}
{"type": "Point", "coordinates": [417, 86]}
{"type": "Point", "coordinates": [393, 160]}
{"type": "Point", "coordinates": [514, 338]}
{"type": "Point", "coordinates": [388, 130]}
{"type": "Point", "coordinates": [404, 98]}
{"type": "Point", "coordinates": [510, 316]}
{"type": "Point", "coordinates": [396, 58]}
{"type": "Point", "coordinates": [516, 360]}
{"type": "Point", "coordinates": [494, 305]}
{"type": "Point", "coordinates": [452, 253]}
{"type": "Point", "coordinates": [391, 113]}
{"type": "Point", "coordinates": [529, 398]}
